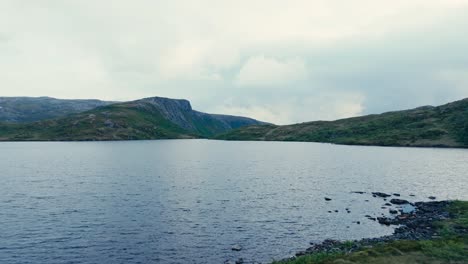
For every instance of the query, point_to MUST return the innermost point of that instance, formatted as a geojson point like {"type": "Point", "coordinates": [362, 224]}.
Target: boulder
{"type": "Point", "coordinates": [399, 201]}
{"type": "Point", "coordinates": [380, 194]}
{"type": "Point", "coordinates": [240, 261]}
{"type": "Point", "coordinates": [236, 248]}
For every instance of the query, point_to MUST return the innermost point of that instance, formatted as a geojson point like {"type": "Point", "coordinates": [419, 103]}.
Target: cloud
{"type": "Point", "coordinates": [195, 60]}
{"type": "Point", "coordinates": [456, 77]}
{"type": "Point", "coordinates": [456, 80]}
{"type": "Point", "coordinates": [301, 60]}
{"type": "Point", "coordinates": [324, 105]}
{"type": "Point", "coordinates": [263, 71]}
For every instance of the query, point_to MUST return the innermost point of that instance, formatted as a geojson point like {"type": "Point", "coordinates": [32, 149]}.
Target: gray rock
{"type": "Point", "coordinates": [109, 123]}
{"type": "Point", "coordinates": [380, 194]}
{"type": "Point", "coordinates": [399, 201]}
{"type": "Point", "coordinates": [240, 261]}
{"type": "Point", "coordinates": [236, 248]}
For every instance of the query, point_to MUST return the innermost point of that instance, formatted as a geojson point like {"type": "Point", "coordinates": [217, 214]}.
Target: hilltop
{"type": "Point", "coordinates": [442, 126]}
{"type": "Point", "coordinates": [31, 109]}
{"type": "Point", "coordinates": [148, 118]}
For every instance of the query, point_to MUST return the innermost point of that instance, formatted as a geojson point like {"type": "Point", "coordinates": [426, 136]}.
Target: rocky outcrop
{"type": "Point", "coordinates": [180, 112]}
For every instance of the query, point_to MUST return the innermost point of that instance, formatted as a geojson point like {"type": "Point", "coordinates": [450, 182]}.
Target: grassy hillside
{"type": "Point", "coordinates": [31, 109]}
{"type": "Point", "coordinates": [443, 126]}
{"type": "Point", "coordinates": [113, 122]}
{"type": "Point", "coordinates": [149, 118]}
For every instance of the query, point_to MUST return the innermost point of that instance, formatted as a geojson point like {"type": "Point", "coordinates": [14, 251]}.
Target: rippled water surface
{"type": "Point", "coordinates": [190, 201]}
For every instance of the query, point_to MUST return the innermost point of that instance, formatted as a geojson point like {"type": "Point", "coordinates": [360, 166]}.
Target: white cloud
{"type": "Point", "coordinates": [456, 79]}
{"type": "Point", "coordinates": [324, 105]}
{"type": "Point", "coordinates": [334, 105]}
{"type": "Point", "coordinates": [259, 112]}
{"type": "Point", "coordinates": [263, 71]}
{"type": "Point", "coordinates": [124, 49]}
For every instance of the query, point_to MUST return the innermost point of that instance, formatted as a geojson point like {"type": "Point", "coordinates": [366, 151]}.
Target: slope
{"type": "Point", "coordinates": [442, 126]}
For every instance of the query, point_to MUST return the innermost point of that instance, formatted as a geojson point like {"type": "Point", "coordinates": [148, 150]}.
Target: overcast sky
{"type": "Point", "coordinates": [278, 61]}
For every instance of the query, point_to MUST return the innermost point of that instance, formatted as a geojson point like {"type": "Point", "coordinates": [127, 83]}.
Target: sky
{"type": "Point", "coordinates": [278, 61]}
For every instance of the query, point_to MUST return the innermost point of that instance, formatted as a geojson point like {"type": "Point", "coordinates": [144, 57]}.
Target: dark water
{"type": "Point", "coordinates": [190, 201]}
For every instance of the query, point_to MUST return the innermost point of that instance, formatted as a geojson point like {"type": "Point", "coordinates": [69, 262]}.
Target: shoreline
{"type": "Point", "coordinates": [233, 140]}
{"type": "Point", "coordinates": [429, 222]}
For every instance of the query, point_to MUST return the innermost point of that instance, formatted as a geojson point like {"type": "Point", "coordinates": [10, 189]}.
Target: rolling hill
{"type": "Point", "coordinates": [31, 109]}
{"type": "Point", "coordinates": [149, 118]}
{"type": "Point", "coordinates": [442, 126]}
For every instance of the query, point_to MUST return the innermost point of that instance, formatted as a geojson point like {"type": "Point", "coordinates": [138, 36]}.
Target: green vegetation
{"type": "Point", "coordinates": [113, 122]}
{"type": "Point", "coordinates": [163, 118]}
{"type": "Point", "coordinates": [149, 118]}
{"type": "Point", "coordinates": [443, 126]}
{"type": "Point", "coordinates": [32, 109]}
{"type": "Point", "coordinates": [450, 247]}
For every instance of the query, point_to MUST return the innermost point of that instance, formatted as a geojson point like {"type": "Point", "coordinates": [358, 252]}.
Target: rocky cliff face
{"type": "Point", "coordinates": [180, 112]}
{"type": "Point", "coordinates": [175, 110]}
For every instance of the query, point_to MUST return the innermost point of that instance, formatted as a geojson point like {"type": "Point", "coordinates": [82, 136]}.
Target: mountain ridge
{"type": "Point", "coordinates": [147, 118]}
{"type": "Point", "coordinates": [23, 109]}
{"type": "Point", "coordinates": [427, 126]}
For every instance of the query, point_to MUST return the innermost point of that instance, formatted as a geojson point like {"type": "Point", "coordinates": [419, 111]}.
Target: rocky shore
{"type": "Point", "coordinates": [417, 224]}
{"type": "Point", "coordinates": [440, 226]}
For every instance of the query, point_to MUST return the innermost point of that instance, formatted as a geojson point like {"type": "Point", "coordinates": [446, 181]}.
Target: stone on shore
{"type": "Point", "coordinates": [416, 225]}
{"type": "Point", "coordinates": [399, 201]}
{"type": "Point", "coordinates": [236, 248]}
{"type": "Point", "coordinates": [380, 194]}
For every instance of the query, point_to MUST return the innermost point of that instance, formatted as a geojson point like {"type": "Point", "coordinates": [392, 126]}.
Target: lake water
{"type": "Point", "coordinates": [190, 201]}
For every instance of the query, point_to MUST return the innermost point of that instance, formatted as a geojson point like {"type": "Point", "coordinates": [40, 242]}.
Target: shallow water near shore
{"type": "Point", "coordinates": [191, 201]}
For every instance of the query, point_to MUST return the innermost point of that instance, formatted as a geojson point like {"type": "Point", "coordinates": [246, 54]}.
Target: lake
{"type": "Point", "coordinates": [191, 201]}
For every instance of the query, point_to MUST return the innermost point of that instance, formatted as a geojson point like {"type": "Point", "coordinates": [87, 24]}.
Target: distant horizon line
{"type": "Point", "coordinates": [301, 122]}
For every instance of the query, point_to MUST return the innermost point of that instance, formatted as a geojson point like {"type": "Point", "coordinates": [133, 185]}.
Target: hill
{"type": "Point", "coordinates": [442, 126]}
{"type": "Point", "coordinates": [149, 118]}
{"type": "Point", "coordinates": [31, 109]}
